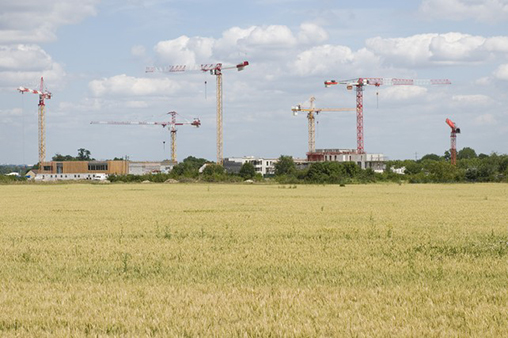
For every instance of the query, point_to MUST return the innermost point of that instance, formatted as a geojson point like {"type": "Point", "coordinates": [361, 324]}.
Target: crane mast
{"type": "Point", "coordinates": [312, 119]}
{"type": "Point", "coordinates": [172, 129]}
{"type": "Point", "coordinates": [42, 117]}
{"type": "Point", "coordinates": [453, 140]}
{"type": "Point", "coordinates": [214, 69]}
{"type": "Point", "coordinates": [360, 83]}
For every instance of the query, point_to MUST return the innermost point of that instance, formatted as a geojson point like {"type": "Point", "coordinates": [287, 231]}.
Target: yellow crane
{"type": "Point", "coordinates": [312, 119]}
{"type": "Point", "coordinates": [43, 94]}
{"type": "Point", "coordinates": [172, 129]}
{"type": "Point", "coordinates": [214, 69]}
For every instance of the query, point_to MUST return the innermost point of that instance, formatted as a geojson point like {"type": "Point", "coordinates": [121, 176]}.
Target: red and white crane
{"type": "Point", "coordinates": [360, 83]}
{"type": "Point", "coordinates": [43, 94]}
{"type": "Point", "coordinates": [196, 123]}
{"type": "Point", "coordinates": [312, 119]}
{"type": "Point", "coordinates": [453, 140]}
{"type": "Point", "coordinates": [214, 69]}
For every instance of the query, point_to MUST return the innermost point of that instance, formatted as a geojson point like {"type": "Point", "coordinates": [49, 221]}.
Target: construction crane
{"type": "Point", "coordinates": [214, 69]}
{"type": "Point", "coordinates": [196, 123]}
{"type": "Point", "coordinates": [453, 140]}
{"type": "Point", "coordinates": [360, 83]}
{"type": "Point", "coordinates": [312, 120]}
{"type": "Point", "coordinates": [42, 117]}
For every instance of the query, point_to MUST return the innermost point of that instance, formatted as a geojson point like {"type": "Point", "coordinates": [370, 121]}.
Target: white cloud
{"type": "Point", "coordinates": [400, 93]}
{"type": "Point", "coordinates": [274, 35]}
{"type": "Point", "coordinates": [322, 59]}
{"type": "Point", "coordinates": [497, 44]}
{"type": "Point", "coordinates": [438, 49]}
{"type": "Point", "coordinates": [123, 85]}
{"type": "Point", "coordinates": [412, 50]}
{"type": "Point", "coordinates": [479, 10]}
{"type": "Point", "coordinates": [474, 99]}
{"type": "Point", "coordinates": [53, 74]}
{"type": "Point", "coordinates": [185, 50]}
{"type": "Point", "coordinates": [260, 42]}
{"type": "Point", "coordinates": [502, 72]}
{"type": "Point", "coordinates": [312, 33]}
{"type": "Point", "coordinates": [33, 21]}
{"type": "Point", "coordinates": [452, 47]}
{"type": "Point", "coordinates": [24, 57]}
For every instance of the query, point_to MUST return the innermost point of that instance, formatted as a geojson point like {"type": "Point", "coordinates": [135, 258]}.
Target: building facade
{"type": "Point", "coordinates": [90, 170]}
{"type": "Point", "coordinates": [374, 161]}
{"type": "Point", "coordinates": [263, 166]}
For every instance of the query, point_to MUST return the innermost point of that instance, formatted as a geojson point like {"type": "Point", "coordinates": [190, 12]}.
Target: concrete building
{"type": "Point", "coordinates": [263, 166]}
{"type": "Point", "coordinates": [374, 161]}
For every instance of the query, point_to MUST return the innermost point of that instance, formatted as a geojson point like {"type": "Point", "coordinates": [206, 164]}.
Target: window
{"type": "Point", "coordinates": [47, 168]}
{"type": "Point", "coordinates": [102, 166]}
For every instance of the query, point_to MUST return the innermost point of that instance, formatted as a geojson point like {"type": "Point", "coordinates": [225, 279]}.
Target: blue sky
{"type": "Point", "coordinates": [93, 54]}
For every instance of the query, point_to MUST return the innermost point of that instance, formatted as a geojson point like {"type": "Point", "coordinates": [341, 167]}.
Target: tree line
{"type": "Point", "coordinates": [470, 168]}
{"type": "Point", "coordinates": [431, 168]}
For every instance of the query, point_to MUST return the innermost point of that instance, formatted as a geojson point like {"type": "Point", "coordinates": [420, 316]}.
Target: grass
{"type": "Point", "coordinates": [256, 260]}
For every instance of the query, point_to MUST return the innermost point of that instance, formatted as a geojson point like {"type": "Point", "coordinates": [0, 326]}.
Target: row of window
{"type": "Point", "coordinates": [91, 167]}
{"type": "Point", "coordinates": [65, 176]}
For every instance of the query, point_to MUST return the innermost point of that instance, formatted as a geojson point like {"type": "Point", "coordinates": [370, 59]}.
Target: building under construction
{"type": "Point", "coordinates": [375, 162]}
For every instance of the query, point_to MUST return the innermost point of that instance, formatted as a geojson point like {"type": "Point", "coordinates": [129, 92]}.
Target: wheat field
{"type": "Point", "coordinates": [219, 260]}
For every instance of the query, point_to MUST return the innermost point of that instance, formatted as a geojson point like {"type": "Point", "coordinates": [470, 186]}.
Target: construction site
{"type": "Point", "coordinates": [70, 170]}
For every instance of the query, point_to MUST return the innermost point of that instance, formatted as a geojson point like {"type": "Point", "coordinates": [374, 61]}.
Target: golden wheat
{"type": "Point", "coordinates": [257, 260]}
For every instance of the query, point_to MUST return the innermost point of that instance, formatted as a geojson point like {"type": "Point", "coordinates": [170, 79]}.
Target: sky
{"type": "Point", "coordinates": [93, 54]}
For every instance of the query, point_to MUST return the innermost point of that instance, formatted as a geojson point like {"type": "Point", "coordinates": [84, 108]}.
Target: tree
{"type": "Point", "coordinates": [83, 155]}
{"type": "Point", "coordinates": [466, 153]}
{"type": "Point", "coordinates": [432, 157]}
{"type": "Point", "coordinates": [351, 169]}
{"type": "Point", "coordinates": [441, 171]}
{"type": "Point", "coordinates": [247, 171]}
{"type": "Point", "coordinates": [214, 173]}
{"type": "Point", "coordinates": [189, 167]}
{"type": "Point", "coordinates": [413, 168]}
{"type": "Point", "coordinates": [61, 158]}
{"type": "Point", "coordinates": [285, 165]}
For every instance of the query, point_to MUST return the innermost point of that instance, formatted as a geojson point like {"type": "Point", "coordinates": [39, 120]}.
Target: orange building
{"type": "Point", "coordinates": [85, 167]}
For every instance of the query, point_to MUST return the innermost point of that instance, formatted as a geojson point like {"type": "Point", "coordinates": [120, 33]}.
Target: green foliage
{"type": "Point", "coordinates": [214, 173]}
{"type": "Point", "coordinates": [336, 173]}
{"type": "Point", "coordinates": [440, 171]}
{"type": "Point", "coordinates": [6, 169]}
{"type": "Point", "coordinates": [432, 157]}
{"type": "Point", "coordinates": [83, 155]}
{"type": "Point", "coordinates": [470, 168]}
{"type": "Point", "coordinates": [247, 171]}
{"type": "Point", "coordinates": [285, 165]}
{"type": "Point", "coordinates": [188, 168]}
{"type": "Point", "coordinates": [413, 168]}
{"type": "Point", "coordinates": [466, 153]}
